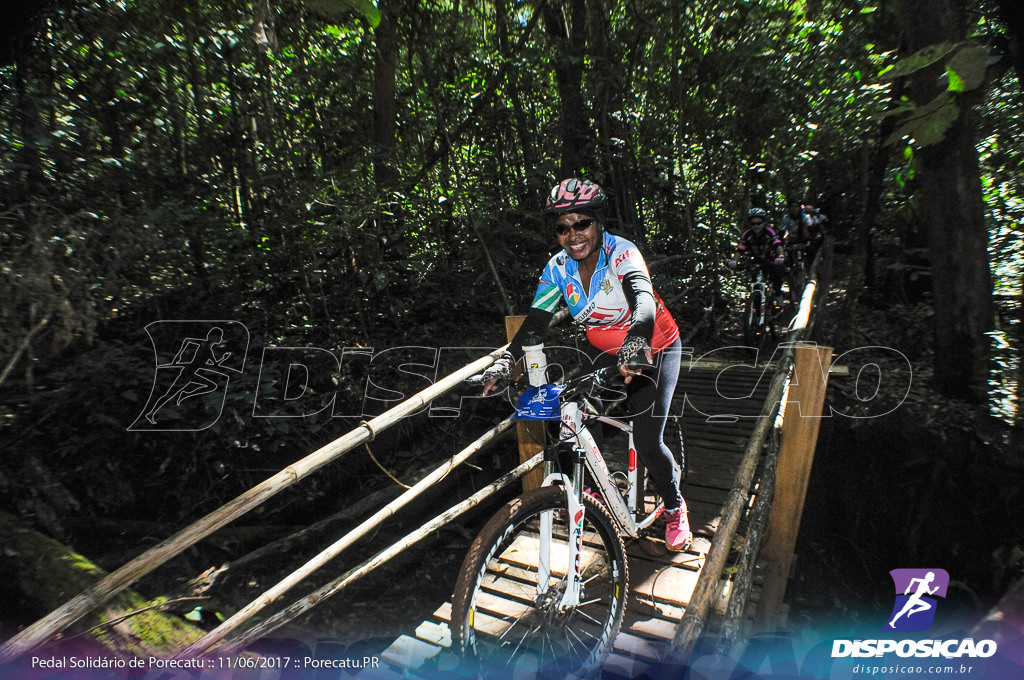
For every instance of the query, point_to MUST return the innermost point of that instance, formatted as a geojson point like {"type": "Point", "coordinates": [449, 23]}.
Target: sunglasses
{"type": "Point", "coordinates": [754, 223]}
{"type": "Point", "coordinates": [577, 226]}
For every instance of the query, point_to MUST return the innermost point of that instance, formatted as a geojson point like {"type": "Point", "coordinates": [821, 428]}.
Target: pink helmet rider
{"type": "Point", "coordinates": [574, 194]}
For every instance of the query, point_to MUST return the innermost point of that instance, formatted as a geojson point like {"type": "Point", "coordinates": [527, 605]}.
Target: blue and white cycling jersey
{"type": "Point", "coordinates": [604, 308]}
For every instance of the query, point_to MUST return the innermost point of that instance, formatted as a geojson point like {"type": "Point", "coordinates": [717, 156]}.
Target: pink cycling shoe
{"type": "Point", "coordinates": [677, 531]}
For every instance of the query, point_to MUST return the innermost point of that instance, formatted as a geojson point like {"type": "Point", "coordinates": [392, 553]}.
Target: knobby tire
{"type": "Point", "coordinates": [754, 326]}
{"type": "Point", "coordinates": [498, 621]}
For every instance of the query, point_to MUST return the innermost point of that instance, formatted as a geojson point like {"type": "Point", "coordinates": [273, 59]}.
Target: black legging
{"type": "Point", "coordinates": [650, 399]}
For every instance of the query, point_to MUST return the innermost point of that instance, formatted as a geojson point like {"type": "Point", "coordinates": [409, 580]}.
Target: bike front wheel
{"type": "Point", "coordinates": [754, 321]}
{"type": "Point", "coordinates": [511, 620]}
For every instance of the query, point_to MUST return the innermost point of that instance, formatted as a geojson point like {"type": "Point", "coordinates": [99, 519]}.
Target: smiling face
{"type": "Point", "coordinates": [580, 235]}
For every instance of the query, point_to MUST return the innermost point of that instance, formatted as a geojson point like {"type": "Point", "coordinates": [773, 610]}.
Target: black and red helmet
{"type": "Point", "coordinates": [574, 194]}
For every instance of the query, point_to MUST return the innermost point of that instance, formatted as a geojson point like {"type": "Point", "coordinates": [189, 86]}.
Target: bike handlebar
{"type": "Point", "coordinates": [603, 377]}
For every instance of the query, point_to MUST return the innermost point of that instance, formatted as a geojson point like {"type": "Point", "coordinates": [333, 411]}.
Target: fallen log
{"type": "Point", "coordinates": [41, 573]}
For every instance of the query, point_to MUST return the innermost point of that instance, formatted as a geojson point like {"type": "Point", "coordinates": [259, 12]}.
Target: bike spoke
{"type": "Point", "coordinates": [591, 619]}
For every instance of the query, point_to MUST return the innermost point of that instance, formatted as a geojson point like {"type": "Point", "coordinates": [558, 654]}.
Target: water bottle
{"type": "Point", "coordinates": [536, 361]}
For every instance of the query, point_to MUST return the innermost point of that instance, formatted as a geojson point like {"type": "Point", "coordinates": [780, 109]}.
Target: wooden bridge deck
{"type": "Point", "coordinates": [720, 409]}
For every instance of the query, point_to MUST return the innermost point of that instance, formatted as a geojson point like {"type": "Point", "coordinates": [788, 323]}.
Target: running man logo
{"type": "Point", "coordinates": [916, 590]}
{"type": "Point", "coordinates": [193, 359]}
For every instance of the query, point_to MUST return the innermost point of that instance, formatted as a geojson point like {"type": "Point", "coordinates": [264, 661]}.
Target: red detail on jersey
{"type": "Point", "coordinates": [610, 338]}
{"type": "Point", "coordinates": [600, 316]}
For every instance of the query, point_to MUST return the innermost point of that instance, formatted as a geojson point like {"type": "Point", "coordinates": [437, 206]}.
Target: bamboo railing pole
{"type": "Point", "coordinates": [332, 551]}
{"type": "Point", "coordinates": [113, 583]}
{"type": "Point", "coordinates": [818, 279]}
{"type": "Point", "coordinates": [743, 581]}
{"type": "Point", "coordinates": [303, 605]}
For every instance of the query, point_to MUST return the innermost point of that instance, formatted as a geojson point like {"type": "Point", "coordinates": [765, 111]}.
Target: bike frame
{"type": "Point", "coordinates": [758, 285]}
{"type": "Point", "coordinates": [796, 270]}
{"type": "Point", "coordinates": [587, 454]}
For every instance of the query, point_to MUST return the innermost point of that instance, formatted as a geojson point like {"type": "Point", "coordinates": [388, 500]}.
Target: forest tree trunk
{"type": "Point", "coordinates": [953, 209]}
{"type": "Point", "coordinates": [1012, 15]}
{"type": "Point", "coordinates": [385, 127]}
{"type": "Point", "coordinates": [570, 35]}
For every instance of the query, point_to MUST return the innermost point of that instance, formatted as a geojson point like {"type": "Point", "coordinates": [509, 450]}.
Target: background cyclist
{"type": "Point", "coordinates": [761, 245]}
{"type": "Point", "coordinates": [604, 280]}
{"type": "Point", "coordinates": [803, 225]}
{"type": "Point", "coordinates": [795, 225]}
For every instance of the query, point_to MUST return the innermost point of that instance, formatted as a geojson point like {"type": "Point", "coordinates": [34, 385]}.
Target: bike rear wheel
{"type": "Point", "coordinates": [499, 615]}
{"type": "Point", "coordinates": [798, 279]}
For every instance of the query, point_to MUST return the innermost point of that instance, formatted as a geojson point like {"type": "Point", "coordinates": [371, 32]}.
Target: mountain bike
{"type": "Point", "coordinates": [759, 316]}
{"type": "Point", "coordinates": [543, 588]}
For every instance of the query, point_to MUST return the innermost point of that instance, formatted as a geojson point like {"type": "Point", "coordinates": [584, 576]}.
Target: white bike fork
{"type": "Point", "coordinates": [573, 579]}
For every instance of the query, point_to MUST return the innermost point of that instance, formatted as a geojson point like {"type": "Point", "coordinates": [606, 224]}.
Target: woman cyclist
{"type": "Point", "coordinates": [604, 280]}
{"type": "Point", "coordinates": [763, 246]}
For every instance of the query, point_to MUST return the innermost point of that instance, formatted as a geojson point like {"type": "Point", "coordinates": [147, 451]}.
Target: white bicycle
{"type": "Point", "coordinates": [544, 586]}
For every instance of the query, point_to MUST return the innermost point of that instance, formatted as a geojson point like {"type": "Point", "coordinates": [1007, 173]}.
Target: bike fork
{"type": "Point", "coordinates": [575, 510]}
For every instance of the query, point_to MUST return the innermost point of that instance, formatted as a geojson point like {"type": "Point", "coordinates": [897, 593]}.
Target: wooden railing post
{"type": "Point", "coordinates": [796, 454]}
{"type": "Point", "coordinates": [529, 432]}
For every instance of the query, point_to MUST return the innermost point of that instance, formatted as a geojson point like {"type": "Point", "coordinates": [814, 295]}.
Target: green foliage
{"type": "Point", "coordinates": [917, 61]}
{"type": "Point", "coordinates": [927, 124]}
{"type": "Point", "coordinates": [340, 9]}
{"type": "Point", "coordinates": [966, 65]}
